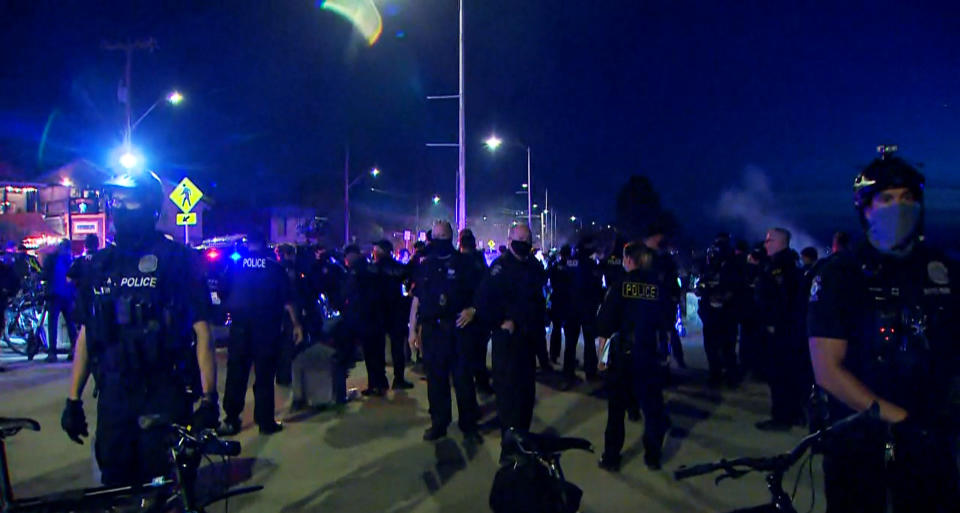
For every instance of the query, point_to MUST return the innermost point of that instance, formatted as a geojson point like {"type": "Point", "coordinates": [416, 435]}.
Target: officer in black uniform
{"type": "Point", "coordinates": [587, 285]}
{"type": "Point", "coordinates": [257, 293]}
{"type": "Point", "coordinates": [476, 331]}
{"type": "Point", "coordinates": [665, 264]}
{"type": "Point", "coordinates": [784, 334]}
{"type": "Point", "coordinates": [325, 280]}
{"type": "Point", "coordinates": [140, 307]}
{"type": "Point", "coordinates": [362, 318]}
{"type": "Point", "coordinates": [882, 327]}
{"type": "Point", "coordinates": [716, 290]}
{"type": "Point", "coordinates": [390, 276]}
{"type": "Point", "coordinates": [440, 311]}
{"type": "Point", "coordinates": [511, 300]}
{"type": "Point", "coordinates": [633, 309]}
{"type": "Point", "coordinates": [560, 279]}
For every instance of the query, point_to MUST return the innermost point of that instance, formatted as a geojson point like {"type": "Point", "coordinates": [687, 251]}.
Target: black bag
{"type": "Point", "coordinates": [528, 487]}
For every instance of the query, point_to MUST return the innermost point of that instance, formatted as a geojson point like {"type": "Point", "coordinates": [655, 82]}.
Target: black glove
{"type": "Point", "coordinates": [74, 421]}
{"type": "Point", "coordinates": [206, 416]}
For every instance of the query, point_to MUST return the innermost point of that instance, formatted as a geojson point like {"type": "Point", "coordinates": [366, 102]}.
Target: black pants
{"type": "Point", "coordinates": [561, 325]}
{"type": "Point", "coordinates": [126, 454]}
{"type": "Point", "coordinates": [55, 306]}
{"type": "Point", "coordinates": [251, 343]}
{"type": "Point", "coordinates": [477, 336]}
{"type": "Point", "coordinates": [752, 355]}
{"type": "Point", "coordinates": [643, 381]}
{"type": "Point", "coordinates": [446, 353]}
{"type": "Point", "coordinates": [571, 335]}
{"type": "Point", "coordinates": [922, 477]}
{"type": "Point", "coordinates": [375, 359]}
{"type": "Point", "coordinates": [790, 376]}
{"type": "Point", "coordinates": [676, 346]}
{"type": "Point", "coordinates": [720, 341]}
{"type": "Point", "coordinates": [397, 331]}
{"type": "Point", "coordinates": [514, 373]}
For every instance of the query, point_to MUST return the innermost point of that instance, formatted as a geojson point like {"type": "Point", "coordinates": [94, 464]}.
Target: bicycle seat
{"type": "Point", "coordinates": [10, 427]}
{"type": "Point", "coordinates": [545, 444]}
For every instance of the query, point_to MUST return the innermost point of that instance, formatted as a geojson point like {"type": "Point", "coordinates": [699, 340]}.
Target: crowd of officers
{"type": "Point", "coordinates": [869, 325]}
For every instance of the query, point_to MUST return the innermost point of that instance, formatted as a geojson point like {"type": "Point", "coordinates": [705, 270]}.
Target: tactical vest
{"type": "Point", "coordinates": [906, 340]}
{"type": "Point", "coordinates": [439, 296]}
{"type": "Point", "coordinates": [137, 327]}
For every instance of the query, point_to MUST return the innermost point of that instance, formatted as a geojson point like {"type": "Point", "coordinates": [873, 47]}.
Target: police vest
{"type": "Point", "coordinates": [907, 350]}
{"type": "Point", "coordinates": [136, 324]}
{"type": "Point", "coordinates": [439, 290]}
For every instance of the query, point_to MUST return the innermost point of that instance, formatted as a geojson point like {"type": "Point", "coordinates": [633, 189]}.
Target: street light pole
{"type": "Point", "coordinates": [529, 193]}
{"type": "Point", "coordinates": [346, 196]}
{"type": "Point", "coordinates": [461, 169]}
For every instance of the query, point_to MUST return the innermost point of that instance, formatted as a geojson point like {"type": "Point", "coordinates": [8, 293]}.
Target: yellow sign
{"type": "Point", "coordinates": [188, 219]}
{"type": "Point", "coordinates": [185, 195]}
{"type": "Point", "coordinates": [491, 244]}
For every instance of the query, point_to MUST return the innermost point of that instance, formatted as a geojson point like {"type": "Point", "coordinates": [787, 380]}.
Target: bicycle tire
{"type": "Point", "coordinates": [17, 330]}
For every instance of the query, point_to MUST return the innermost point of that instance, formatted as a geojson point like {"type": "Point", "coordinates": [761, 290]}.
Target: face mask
{"type": "Point", "coordinates": [891, 227]}
{"type": "Point", "coordinates": [521, 248]}
{"type": "Point", "coordinates": [442, 247]}
{"type": "Point", "coordinates": [133, 225]}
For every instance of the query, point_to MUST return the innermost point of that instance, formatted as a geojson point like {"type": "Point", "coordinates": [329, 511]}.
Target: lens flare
{"type": "Point", "coordinates": [363, 14]}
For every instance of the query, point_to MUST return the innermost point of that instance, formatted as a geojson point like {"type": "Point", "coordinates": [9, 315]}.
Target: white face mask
{"type": "Point", "coordinates": [892, 227]}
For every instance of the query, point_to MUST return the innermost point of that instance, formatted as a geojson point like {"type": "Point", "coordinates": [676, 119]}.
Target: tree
{"type": "Point", "coordinates": [638, 206]}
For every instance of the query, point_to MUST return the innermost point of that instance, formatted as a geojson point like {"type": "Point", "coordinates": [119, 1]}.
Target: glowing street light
{"type": "Point", "coordinates": [128, 160]}
{"type": "Point", "coordinates": [174, 98]}
{"type": "Point", "coordinates": [573, 219]}
{"type": "Point", "coordinates": [436, 199]}
{"type": "Point", "coordinates": [493, 142]}
{"type": "Point", "coordinates": [375, 172]}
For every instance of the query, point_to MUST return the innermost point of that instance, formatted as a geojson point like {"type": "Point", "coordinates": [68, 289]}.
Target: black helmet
{"type": "Point", "coordinates": [129, 193]}
{"type": "Point", "coordinates": [886, 172]}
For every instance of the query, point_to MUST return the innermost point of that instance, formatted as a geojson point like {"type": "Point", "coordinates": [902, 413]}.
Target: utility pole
{"type": "Point", "coordinates": [123, 93]}
{"type": "Point", "coordinates": [346, 195]}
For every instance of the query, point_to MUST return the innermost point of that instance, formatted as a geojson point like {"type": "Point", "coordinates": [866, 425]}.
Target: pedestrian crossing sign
{"type": "Point", "coordinates": [188, 219]}
{"type": "Point", "coordinates": [185, 195]}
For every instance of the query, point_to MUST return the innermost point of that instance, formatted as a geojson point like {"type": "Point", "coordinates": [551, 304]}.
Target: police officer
{"type": "Point", "coordinates": [716, 290]}
{"type": "Point", "coordinates": [784, 336]}
{"type": "Point", "coordinates": [257, 294]}
{"type": "Point", "coordinates": [60, 297]}
{"type": "Point", "coordinates": [390, 276]}
{"type": "Point", "coordinates": [882, 327]}
{"type": "Point", "coordinates": [663, 262]}
{"type": "Point", "coordinates": [440, 311]}
{"type": "Point", "coordinates": [587, 285]}
{"type": "Point", "coordinates": [140, 307]}
{"type": "Point", "coordinates": [560, 279]}
{"type": "Point", "coordinates": [476, 332]}
{"type": "Point", "coordinates": [633, 309]}
{"type": "Point", "coordinates": [511, 300]}
{"type": "Point", "coordinates": [362, 318]}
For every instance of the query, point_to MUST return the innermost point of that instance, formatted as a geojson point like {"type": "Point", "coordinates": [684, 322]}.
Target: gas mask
{"type": "Point", "coordinates": [891, 228]}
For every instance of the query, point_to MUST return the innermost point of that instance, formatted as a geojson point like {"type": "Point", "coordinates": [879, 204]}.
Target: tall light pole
{"type": "Point", "coordinates": [493, 142]}
{"type": "Point", "coordinates": [462, 162]}
{"type": "Point", "coordinates": [347, 185]}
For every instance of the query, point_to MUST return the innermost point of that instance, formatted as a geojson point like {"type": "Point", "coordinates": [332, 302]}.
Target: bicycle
{"type": "Point", "coordinates": [531, 479]}
{"type": "Point", "coordinates": [776, 466]}
{"type": "Point", "coordinates": [173, 493]}
{"type": "Point", "coordinates": [25, 321]}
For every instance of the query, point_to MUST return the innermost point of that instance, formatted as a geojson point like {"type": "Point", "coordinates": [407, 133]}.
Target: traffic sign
{"type": "Point", "coordinates": [186, 195]}
{"type": "Point", "coordinates": [492, 245]}
{"type": "Point", "coordinates": [188, 219]}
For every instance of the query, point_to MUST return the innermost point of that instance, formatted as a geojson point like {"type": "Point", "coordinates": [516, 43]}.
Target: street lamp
{"type": "Point", "coordinates": [174, 98]}
{"type": "Point", "coordinates": [436, 199]}
{"type": "Point", "coordinates": [493, 142]}
{"type": "Point", "coordinates": [374, 172]}
{"type": "Point", "coordinates": [347, 184]}
{"type": "Point", "coordinates": [128, 160]}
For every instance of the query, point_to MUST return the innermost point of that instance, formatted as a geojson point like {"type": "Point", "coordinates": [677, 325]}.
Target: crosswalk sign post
{"type": "Point", "coordinates": [185, 196]}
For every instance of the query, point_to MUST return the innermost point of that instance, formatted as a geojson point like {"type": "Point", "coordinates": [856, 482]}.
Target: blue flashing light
{"type": "Point", "coordinates": [235, 256]}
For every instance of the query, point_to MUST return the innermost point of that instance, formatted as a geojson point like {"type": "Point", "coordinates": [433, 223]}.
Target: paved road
{"type": "Point", "coordinates": [370, 458]}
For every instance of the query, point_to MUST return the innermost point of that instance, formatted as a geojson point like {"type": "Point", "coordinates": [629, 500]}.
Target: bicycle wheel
{"type": "Point", "coordinates": [21, 325]}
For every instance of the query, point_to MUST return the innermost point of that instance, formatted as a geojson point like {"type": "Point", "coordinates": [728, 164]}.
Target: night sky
{"type": "Point", "coordinates": [772, 107]}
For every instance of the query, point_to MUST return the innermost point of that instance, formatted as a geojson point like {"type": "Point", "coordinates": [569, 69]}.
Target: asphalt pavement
{"type": "Point", "coordinates": [370, 456]}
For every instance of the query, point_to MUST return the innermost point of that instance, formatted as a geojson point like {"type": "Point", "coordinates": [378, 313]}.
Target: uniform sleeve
{"type": "Point", "coordinates": [829, 309]}
{"type": "Point", "coordinates": [284, 287]}
{"type": "Point", "coordinates": [486, 299]}
{"type": "Point", "coordinates": [608, 319]}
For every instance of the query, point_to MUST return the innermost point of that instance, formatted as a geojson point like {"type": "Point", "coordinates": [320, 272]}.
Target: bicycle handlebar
{"type": "Point", "coordinates": [205, 441]}
{"type": "Point", "coordinates": [780, 462]}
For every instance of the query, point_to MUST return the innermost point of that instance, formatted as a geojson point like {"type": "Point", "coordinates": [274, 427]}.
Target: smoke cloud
{"type": "Point", "coordinates": [754, 206]}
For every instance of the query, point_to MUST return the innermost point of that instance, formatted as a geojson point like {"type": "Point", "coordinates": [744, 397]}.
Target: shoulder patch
{"type": "Point", "coordinates": [938, 273]}
{"type": "Point", "coordinates": [815, 289]}
{"type": "Point", "coordinates": [148, 263]}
